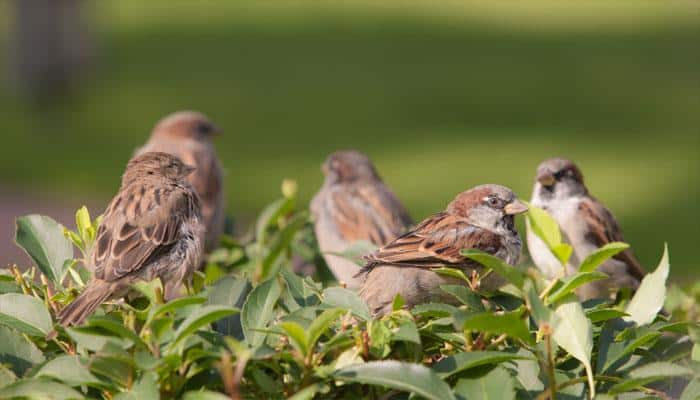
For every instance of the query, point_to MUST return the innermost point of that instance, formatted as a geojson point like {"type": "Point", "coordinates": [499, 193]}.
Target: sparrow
{"type": "Point", "coordinates": [481, 218]}
{"type": "Point", "coordinates": [354, 205]}
{"type": "Point", "coordinates": [151, 229]}
{"type": "Point", "coordinates": [585, 224]}
{"type": "Point", "coordinates": [188, 136]}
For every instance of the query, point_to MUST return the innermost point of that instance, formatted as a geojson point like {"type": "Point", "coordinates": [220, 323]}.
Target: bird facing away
{"type": "Point", "coordinates": [481, 218]}
{"type": "Point", "coordinates": [354, 205]}
{"type": "Point", "coordinates": [188, 136]}
{"type": "Point", "coordinates": [585, 224]}
{"type": "Point", "coordinates": [151, 229]}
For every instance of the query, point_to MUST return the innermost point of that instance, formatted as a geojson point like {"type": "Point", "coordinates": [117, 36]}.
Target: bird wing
{"type": "Point", "coordinates": [605, 229]}
{"type": "Point", "coordinates": [368, 212]}
{"type": "Point", "coordinates": [140, 224]}
{"type": "Point", "coordinates": [437, 241]}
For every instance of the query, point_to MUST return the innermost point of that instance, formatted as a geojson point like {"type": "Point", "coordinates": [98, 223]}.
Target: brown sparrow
{"type": "Point", "coordinates": [585, 224]}
{"type": "Point", "coordinates": [188, 136]}
{"type": "Point", "coordinates": [151, 229]}
{"type": "Point", "coordinates": [480, 218]}
{"type": "Point", "coordinates": [354, 205]}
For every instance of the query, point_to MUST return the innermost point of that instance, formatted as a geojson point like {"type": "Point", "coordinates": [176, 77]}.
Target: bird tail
{"type": "Point", "coordinates": [86, 303]}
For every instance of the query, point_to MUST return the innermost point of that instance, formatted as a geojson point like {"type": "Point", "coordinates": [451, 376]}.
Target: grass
{"type": "Point", "coordinates": [443, 97]}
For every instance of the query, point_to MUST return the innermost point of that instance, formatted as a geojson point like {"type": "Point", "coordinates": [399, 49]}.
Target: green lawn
{"type": "Point", "coordinates": [442, 96]}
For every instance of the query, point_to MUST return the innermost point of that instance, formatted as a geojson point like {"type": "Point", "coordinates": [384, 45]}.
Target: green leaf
{"type": "Point", "coordinates": [69, 370]}
{"type": "Point", "coordinates": [509, 272]}
{"type": "Point", "coordinates": [573, 332]}
{"type": "Point", "coordinates": [497, 384]}
{"type": "Point", "coordinates": [306, 393]}
{"type": "Point", "coordinates": [650, 373]}
{"type": "Point", "coordinates": [649, 298]}
{"type": "Point", "coordinates": [204, 395]}
{"type": "Point", "coordinates": [116, 327]}
{"type": "Point", "coordinates": [451, 272]}
{"type": "Point", "coordinates": [174, 305]}
{"type": "Point", "coordinates": [232, 292]}
{"type": "Point", "coordinates": [199, 318]}
{"type": "Point", "coordinates": [281, 241]}
{"type": "Point", "coordinates": [6, 376]}
{"type": "Point", "coordinates": [398, 302]}
{"type": "Point", "coordinates": [604, 314]}
{"type": "Point", "coordinates": [610, 354]}
{"type": "Point", "coordinates": [406, 332]}
{"type": "Point", "coordinates": [563, 252]}
{"type": "Point", "coordinates": [601, 255]}
{"type": "Point", "coordinates": [414, 378]}
{"type": "Point", "coordinates": [510, 323]}
{"type": "Point", "coordinates": [297, 336]}
{"type": "Point", "coordinates": [82, 222]}
{"type": "Point", "coordinates": [42, 239]}
{"type": "Point", "coordinates": [39, 388]}
{"type": "Point", "coordinates": [321, 324]}
{"type": "Point", "coordinates": [536, 306]}
{"type": "Point", "coordinates": [258, 310]}
{"type": "Point", "coordinates": [17, 352]}
{"type": "Point", "coordinates": [544, 226]}
{"type": "Point", "coordinates": [145, 388]}
{"type": "Point", "coordinates": [348, 300]}
{"type": "Point", "coordinates": [692, 391]}
{"type": "Point", "coordinates": [269, 216]}
{"type": "Point", "coordinates": [25, 313]}
{"type": "Point", "coordinates": [571, 283]}
{"type": "Point", "coordinates": [465, 296]}
{"type": "Point", "coordinates": [356, 251]}
{"type": "Point", "coordinates": [466, 360]}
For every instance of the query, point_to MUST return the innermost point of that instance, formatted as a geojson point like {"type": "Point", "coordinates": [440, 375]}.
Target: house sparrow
{"type": "Point", "coordinates": [151, 229]}
{"type": "Point", "coordinates": [480, 218]}
{"type": "Point", "coordinates": [585, 224]}
{"type": "Point", "coordinates": [354, 205]}
{"type": "Point", "coordinates": [188, 136]}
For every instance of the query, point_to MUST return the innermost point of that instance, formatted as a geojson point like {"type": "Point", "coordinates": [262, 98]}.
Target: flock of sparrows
{"type": "Point", "coordinates": [169, 211]}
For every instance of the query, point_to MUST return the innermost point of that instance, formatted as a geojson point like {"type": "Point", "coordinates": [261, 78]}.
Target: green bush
{"type": "Point", "coordinates": [251, 328]}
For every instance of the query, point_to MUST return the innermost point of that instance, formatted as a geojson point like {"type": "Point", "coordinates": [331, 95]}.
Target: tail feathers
{"type": "Point", "coordinates": [82, 307]}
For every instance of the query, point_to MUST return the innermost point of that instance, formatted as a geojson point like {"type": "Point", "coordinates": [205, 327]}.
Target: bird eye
{"type": "Point", "coordinates": [493, 201]}
{"type": "Point", "coordinates": [204, 128]}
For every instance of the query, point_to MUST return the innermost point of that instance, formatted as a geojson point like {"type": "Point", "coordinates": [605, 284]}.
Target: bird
{"type": "Point", "coordinates": [480, 218]}
{"type": "Point", "coordinates": [152, 228]}
{"type": "Point", "coordinates": [586, 224]}
{"type": "Point", "coordinates": [188, 136]}
{"type": "Point", "coordinates": [354, 205]}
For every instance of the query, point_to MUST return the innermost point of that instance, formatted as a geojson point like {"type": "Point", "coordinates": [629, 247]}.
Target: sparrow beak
{"type": "Point", "coordinates": [516, 207]}
{"type": "Point", "coordinates": [546, 179]}
{"type": "Point", "coordinates": [325, 169]}
{"type": "Point", "coordinates": [215, 130]}
{"type": "Point", "coordinates": [188, 170]}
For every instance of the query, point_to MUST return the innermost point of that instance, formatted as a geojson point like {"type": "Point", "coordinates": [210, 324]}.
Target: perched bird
{"type": "Point", "coordinates": [151, 229]}
{"type": "Point", "coordinates": [354, 205]}
{"type": "Point", "coordinates": [188, 136]}
{"type": "Point", "coordinates": [585, 224]}
{"type": "Point", "coordinates": [481, 218]}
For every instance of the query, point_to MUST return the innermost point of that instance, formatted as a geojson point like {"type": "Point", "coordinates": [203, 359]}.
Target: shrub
{"type": "Point", "coordinates": [251, 328]}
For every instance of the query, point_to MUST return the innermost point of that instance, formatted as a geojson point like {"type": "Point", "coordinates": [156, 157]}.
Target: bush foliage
{"type": "Point", "coordinates": [251, 328]}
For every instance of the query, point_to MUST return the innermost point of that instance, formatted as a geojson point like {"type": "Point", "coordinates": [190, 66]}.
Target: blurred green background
{"type": "Point", "coordinates": [443, 95]}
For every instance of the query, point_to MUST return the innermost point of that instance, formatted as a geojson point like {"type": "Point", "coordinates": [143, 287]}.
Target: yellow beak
{"type": "Point", "coordinates": [515, 208]}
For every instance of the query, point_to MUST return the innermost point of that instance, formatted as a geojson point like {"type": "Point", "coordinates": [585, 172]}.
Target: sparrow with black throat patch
{"type": "Point", "coordinates": [481, 218]}
{"type": "Point", "coordinates": [585, 224]}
